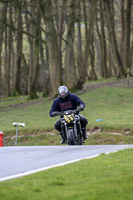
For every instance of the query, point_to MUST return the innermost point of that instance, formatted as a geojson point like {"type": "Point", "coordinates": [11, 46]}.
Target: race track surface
{"type": "Point", "coordinates": [20, 161]}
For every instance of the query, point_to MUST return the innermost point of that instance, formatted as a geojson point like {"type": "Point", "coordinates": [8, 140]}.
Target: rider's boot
{"type": "Point", "coordinates": [62, 138]}
{"type": "Point", "coordinates": [85, 136]}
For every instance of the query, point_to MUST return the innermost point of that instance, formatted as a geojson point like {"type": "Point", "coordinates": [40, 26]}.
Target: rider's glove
{"type": "Point", "coordinates": [55, 113]}
{"type": "Point", "coordinates": [81, 108]}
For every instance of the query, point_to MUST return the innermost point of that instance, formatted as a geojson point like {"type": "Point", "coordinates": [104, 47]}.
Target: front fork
{"type": "Point", "coordinates": [64, 126]}
{"type": "Point", "coordinates": [80, 130]}
{"type": "Point", "coordinates": [75, 131]}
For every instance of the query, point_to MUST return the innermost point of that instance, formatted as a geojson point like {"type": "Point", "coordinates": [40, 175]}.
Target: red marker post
{"type": "Point", "coordinates": [1, 139]}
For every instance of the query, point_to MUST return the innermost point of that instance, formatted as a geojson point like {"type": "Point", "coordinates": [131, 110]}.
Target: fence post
{"type": "Point", "coordinates": [17, 125]}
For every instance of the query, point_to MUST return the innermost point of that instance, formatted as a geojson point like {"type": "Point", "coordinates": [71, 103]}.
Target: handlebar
{"type": "Point", "coordinates": [74, 111]}
{"type": "Point", "coordinates": [56, 113]}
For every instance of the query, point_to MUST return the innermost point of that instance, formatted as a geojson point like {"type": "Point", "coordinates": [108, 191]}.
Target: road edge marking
{"type": "Point", "coordinates": [50, 167]}
{"type": "Point", "coordinates": [44, 168]}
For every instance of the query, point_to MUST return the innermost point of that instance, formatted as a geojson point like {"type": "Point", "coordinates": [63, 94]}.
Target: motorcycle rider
{"type": "Point", "coordinates": [67, 101]}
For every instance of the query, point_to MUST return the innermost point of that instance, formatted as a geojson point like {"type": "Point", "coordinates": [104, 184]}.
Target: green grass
{"type": "Point", "coordinates": [35, 140]}
{"type": "Point", "coordinates": [99, 81]}
{"type": "Point", "coordinates": [36, 115]}
{"type": "Point", "coordinates": [113, 105]}
{"type": "Point", "coordinates": [104, 177]}
{"type": "Point", "coordinates": [47, 139]}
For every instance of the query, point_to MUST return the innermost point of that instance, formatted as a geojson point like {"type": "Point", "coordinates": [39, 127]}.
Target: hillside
{"type": "Point", "coordinates": [110, 100]}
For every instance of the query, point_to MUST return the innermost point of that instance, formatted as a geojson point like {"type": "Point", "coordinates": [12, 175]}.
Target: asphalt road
{"type": "Point", "coordinates": [20, 161]}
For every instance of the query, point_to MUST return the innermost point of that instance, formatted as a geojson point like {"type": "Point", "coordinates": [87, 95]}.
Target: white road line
{"type": "Point", "coordinates": [44, 168]}
{"type": "Point", "coordinates": [49, 167]}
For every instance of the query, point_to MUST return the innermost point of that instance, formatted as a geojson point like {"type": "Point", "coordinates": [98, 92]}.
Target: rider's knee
{"type": "Point", "coordinates": [84, 121]}
{"type": "Point", "coordinates": [56, 127]}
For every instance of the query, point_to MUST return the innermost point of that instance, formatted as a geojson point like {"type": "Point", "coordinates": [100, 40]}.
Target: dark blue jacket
{"type": "Point", "coordinates": [69, 103]}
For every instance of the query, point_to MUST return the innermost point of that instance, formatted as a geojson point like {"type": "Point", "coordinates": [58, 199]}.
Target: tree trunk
{"type": "Point", "coordinates": [60, 33]}
{"type": "Point", "coordinates": [111, 27]}
{"type": "Point", "coordinates": [79, 39]}
{"type": "Point", "coordinates": [103, 45]}
{"type": "Point", "coordinates": [85, 17]}
{"type": "Point", "coordinates": [88, 42]}
{"type": "Point", "coordinates": [5, 61]}
{"type": "Point", "coordinates": [122, 30]}
{"type": "Point", "coordinates": [34, 51]}
{"type": "Point", "coordinates": [29, 18]}
{"type": "Point", "coordinates": [102, 39]}
{"type": "Point", "coordinates": [54, 55]}
{"type": "Point", "coordinates": [9, 45]}
{"type": "Point", "coordinates": [17, 67]}
{"type": "Point", "coordinates": [7, 57]}
{"type": "Point", "coordinates": [70, 71]}
{"type": "Point", "coordinates": [3, 7]}
{"type": "Point", "coordinates": [127, 38]}
{"type": "Point", "coordinates": [92, 62]}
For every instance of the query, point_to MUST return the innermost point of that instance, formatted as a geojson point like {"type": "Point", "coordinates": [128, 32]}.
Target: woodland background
{"type": "Point", "coordinates": [48, 43]}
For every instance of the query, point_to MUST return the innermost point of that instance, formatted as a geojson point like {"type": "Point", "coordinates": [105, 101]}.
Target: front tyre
{"type": "Point", "coordinates": [70, 137]}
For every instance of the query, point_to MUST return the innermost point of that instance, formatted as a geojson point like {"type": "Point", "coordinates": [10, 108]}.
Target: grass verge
{"type": "Point", "coordinates": [104, 177]}
{"type": "Point", "coordinates": [48, 139]}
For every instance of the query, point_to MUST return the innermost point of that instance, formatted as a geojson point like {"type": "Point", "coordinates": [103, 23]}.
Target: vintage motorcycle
{"type": "Point", "coordinates": [71, 127]}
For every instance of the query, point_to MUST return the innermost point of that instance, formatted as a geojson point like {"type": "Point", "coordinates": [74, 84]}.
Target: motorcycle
{"type": "Point", "coordinates": [71, 127]}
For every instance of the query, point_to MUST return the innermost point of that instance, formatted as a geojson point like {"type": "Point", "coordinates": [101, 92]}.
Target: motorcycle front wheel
{"type": "Point", "coordinates": [70, 137]}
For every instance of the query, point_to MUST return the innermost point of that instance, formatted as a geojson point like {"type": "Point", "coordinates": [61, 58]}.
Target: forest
{"type": "Point", "coordinates": [48, 43]}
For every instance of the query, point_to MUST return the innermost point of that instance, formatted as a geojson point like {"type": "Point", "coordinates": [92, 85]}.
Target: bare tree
{"type": "Point", "coordinates": [92, 62]}
{"type": "Point", "coordinates": [122, 11]}
{"type": "Point", "coordinates": [102, 39]}
{"type": "Point", "coordinates": [79, 37]}
{"type": "Point", "coordinates": [89, 32]}
{"type": "Point", "coordinates": [8, 50]}
{"type": "Point", "coordinates": [33, 29]}
{"type": "Point", "coordinates": [17, 66]}
{"type": "Point", "coordinates": [54, 55]}
{"type": "Point", "coordinates": [127, 36]}
{"type": "Point", "coordinates": [111, 29]}
{"type": "Point", "coordinates": [61, 29]}
{"type": "Point", "coordinates": [70, 70]}
{"type": "Point", "coordinates": [3, 7]}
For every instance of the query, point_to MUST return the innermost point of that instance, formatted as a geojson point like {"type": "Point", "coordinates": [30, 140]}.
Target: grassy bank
{"type": "Point", "coordinates": [54, 139]}
{"type": "Point", "coordinates": [113, 105]}
{"type": "Point", "coordinates": [104, 177]}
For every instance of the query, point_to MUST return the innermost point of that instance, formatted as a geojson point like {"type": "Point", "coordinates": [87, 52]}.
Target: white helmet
{"type": "Point", "coordinates": [63, 91]}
